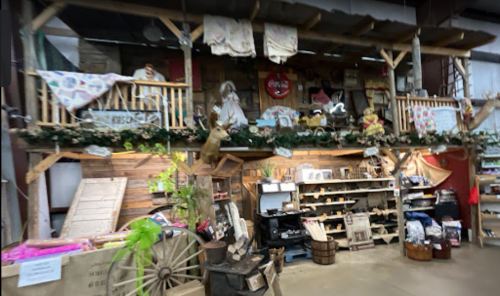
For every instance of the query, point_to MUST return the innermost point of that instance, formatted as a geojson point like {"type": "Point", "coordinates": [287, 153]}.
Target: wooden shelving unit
{"type": "Point", "coordinates": [487, 221]}
{"type": "Point", "coordinates": [316, 201]}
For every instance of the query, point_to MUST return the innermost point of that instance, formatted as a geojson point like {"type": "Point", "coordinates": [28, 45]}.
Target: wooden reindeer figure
{"type": "Point", "coordinates": [481, 115]}
{"type": "Point", "coordinates": [209, 151]}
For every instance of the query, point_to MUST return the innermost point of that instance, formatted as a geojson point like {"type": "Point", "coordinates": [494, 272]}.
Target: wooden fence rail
{"type": "Point", "coordinates": [122, 97]}
{"type": "Point", "coordinates": [404, 115]}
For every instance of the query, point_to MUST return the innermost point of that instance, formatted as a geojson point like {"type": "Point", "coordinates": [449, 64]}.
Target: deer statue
{"type": "Point", "coordinates": [209, 151]}
{"type": "Point", "coordinates": [481, 115]}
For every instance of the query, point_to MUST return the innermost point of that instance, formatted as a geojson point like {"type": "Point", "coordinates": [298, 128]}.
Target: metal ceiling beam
{"type": "Point", "coordinates": [259, 27]}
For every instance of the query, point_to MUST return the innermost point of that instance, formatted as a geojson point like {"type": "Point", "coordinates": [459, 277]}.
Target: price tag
{"type": "Point", "coordinates": [370, 151]}
{"type": "Point", "coordinates": [40, 271]}
{"type": "Point", "coordinates": [339, 213]}
{"type": "Point", "coordinates": [341, 199]}
{"type": "Point", "coordinates": [283, 152]}
{"type": "Point", "coordinates": [396, 192]}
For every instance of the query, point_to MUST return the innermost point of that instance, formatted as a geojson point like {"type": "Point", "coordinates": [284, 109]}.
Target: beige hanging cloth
{"type": "Point", "coordinates": [416, 165]}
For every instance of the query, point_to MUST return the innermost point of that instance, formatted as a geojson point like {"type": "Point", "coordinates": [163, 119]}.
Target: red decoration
{"type": "Point", "coordinates": [384, 70]}
{"type": "Point", "coordinates": [278, 85]}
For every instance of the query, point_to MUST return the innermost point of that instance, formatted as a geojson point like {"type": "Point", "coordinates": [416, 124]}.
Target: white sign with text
{"type": "Point", "coordinates": [40, 271]}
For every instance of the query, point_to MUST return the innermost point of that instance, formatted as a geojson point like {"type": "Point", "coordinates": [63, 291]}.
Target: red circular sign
{"type": "Point", "coordinates": [278, 85]}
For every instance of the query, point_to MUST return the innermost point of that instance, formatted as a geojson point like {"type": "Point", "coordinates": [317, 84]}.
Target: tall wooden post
{"type": "Point", "coordinates": [30, 93]}
{"type": "Point", "coordinates": [399, 208]}
{"type": "Point", "coordinates": [188, 72]}
{"type": "Point", "coordinates": [392, 89]}
{"type": "Point", "coordinates": [472, 158]}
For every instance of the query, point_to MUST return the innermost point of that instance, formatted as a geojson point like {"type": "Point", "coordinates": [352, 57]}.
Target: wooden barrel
{"type": "Point", "coordinates": [323, 252]}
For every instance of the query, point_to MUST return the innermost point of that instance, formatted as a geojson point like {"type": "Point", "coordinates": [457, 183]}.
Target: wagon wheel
{"type": "Point", "coordinates": [165, 272]}
{"type": "Point", "coordinates": [126, 226]}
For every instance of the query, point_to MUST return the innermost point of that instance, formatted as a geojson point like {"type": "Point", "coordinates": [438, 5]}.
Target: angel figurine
{"type": "Point", "coordinates": [231, 110]}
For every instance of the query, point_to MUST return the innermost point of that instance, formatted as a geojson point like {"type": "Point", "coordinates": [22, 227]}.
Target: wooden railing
{"type": "Point", "coordinates": [403, 103]}
{"type": "Point", "coordinates": [124, 96]}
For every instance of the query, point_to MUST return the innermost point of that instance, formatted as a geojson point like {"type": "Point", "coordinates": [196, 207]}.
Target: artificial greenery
{"type": "Point", "coordinates": [267, 170]}
{"type": "Point", "coordinates": [187, 198]}
{"type": "Point", "coordinates": [70, 137]}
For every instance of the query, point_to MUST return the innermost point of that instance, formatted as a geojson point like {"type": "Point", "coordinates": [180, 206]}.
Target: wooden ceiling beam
{"type": "Point", "coordinates": [363, 27]}
{"type": "Point", "coordinates": [311, 22]}
{"type": "Point", "coordinates": [399, 58]}
{"type": "Point", "coordinates": [449, 40]}
{"type": "Point", "coordinates": [46, 15]}
{"type": "Point", "coordinates": [58, 32]}
{"type": "Point", "coordinates": [406, 36]}
{"type": "Point", "coordinates": [255, 10]}
{"type": "Point", "coordinates": [259, 28]}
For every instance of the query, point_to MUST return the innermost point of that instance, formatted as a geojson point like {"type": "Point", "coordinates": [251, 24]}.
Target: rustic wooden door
{"type": "Point", "coordinates": [95, 207]}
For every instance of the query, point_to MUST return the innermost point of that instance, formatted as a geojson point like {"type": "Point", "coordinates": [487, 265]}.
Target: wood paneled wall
{"type": "Point", "coordinates": [137, 200]}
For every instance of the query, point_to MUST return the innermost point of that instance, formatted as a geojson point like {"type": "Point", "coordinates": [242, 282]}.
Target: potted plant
{"type": "Point", "coordinates": [267, 171]}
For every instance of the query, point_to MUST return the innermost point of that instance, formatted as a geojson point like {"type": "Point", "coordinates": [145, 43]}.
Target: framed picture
{"type": "Point", "coordinates": [351, 77]}
{"type": "Point", "coordinates": [285, 121]}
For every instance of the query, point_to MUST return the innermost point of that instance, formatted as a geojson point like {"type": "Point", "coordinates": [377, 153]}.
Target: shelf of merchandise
{"type": "Point", "coordinates": [333, 203]}
{"type": "Point", "coordinates": [310, 199]}
{"type": "Point", "coordinates": [340, 192]}
{"type": "Point", "coordinates": [492, 156]}
{"type": "Point", "coordinates": [420, 209]}
{"type": "Point", "coordinates": [415, 198]}
{"type": "Point", "coordinates": [491, 180]}
{"type": "Point", "coordinates": [341, 181]}
{"type": "Point", "coordinates": [491, 166]}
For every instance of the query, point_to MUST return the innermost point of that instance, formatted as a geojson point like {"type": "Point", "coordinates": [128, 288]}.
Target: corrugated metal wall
{"type": "Point", "coordinates": [485, 77]}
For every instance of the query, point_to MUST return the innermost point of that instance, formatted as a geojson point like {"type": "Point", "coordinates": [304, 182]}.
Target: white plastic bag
{"type": "Point", "coordinates": [415, 230]}
{"type": "Point", "coordinates": [452, 230]}
{"type": "Point", "coordinates": [434, 230]}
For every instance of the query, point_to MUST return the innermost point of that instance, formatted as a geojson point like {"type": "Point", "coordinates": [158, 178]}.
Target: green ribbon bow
{"type": "Point", "coordinates": [144, 236]}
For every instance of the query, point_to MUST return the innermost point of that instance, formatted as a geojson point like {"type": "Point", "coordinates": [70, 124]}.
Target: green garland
{"type": "Point", "coordinates": [74, 137]}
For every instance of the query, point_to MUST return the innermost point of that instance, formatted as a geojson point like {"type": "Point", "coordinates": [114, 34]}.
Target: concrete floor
{"type": "Point", "coordinates": [382, 271]}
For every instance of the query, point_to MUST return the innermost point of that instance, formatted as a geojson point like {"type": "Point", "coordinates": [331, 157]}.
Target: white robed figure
{"type": "Point", "coordinates": [231, 110]}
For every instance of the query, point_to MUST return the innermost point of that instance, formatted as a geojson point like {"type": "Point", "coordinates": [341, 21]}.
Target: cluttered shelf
{"type": "Point", "coordinates": [334, 217]}
{"type": "Point", "coordinates": [340, 181]}
{"type": "Point", "coordinates": [490, 198]}
{"type": "Point", "coordinates": [328, 203]}
{"type": "Point", "coordinates": [492, 156]}
{"type": "Point", "coordinates": [350, 191]}
{"type": "Point", "coordinates": [490, 216]}
{"type": "Point", "coordinates": [419, 209]}
{"type": "Point", "coordinates": [414, 198]}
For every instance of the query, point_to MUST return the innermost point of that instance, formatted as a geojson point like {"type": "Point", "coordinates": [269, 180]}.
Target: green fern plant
{"type": "Point", "coordinates": [267, 170]}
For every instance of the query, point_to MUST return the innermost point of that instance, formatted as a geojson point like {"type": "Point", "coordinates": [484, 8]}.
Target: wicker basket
{"type": "Point", "coordinates": [419, 252]}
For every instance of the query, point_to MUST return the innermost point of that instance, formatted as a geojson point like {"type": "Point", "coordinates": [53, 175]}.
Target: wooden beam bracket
{"type": "Point", "coordinates": [399, 58]}
{"type": "Point", "coordinates": [388, 59]}
{"type": "Point", "coordinates": [46, 15]}
{"type": "Point", "coordinates": [196, 33]}
{"type": "Point", "coordinates": [171, 26]}
{"type": "Point", "coordinates": [255, 10]}
{"type": "Point", "coordinates": [311, 22]}
{"type": "Point", "coordinates": [42, 166]}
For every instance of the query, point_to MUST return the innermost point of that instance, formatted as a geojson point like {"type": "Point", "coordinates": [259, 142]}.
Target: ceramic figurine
{"type": "Point", "coordinates": [231, 106]}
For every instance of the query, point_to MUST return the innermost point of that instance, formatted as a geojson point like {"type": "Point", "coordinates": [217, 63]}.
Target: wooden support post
{"type": "Point", "coordinates": [311, 22]}
{"type": "Point", "coordinates": [190, 163]}
{"type": "Point", "coordinates": [466, 81]}
{"type": "Point", "coordinates": [406, 36]}
{"type": "Point", "coordinates": [417, 63]}
{"type": "Point", "coordinates": [394, 106]}
{"type": "Point", "coordinates": [255, 10]}
{"type": "Point", "coordinates": [472, 183]}
{"type": "Point", "coordinates": [399, 207]}
{"type": "Point", "coordinates": [47, 14]}
{"type": "Point", "coordinates": [30, 63]}
{"type": "Point", "coordinates": [188, 70]}
{"type": "Point", "coordinates": [33, 209]}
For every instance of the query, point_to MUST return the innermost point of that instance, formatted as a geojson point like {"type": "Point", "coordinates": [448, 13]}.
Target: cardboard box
{"type": "Point", "coordinates": [255, 281]}
{"type": "Point", "coordinates": [290, 205]}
